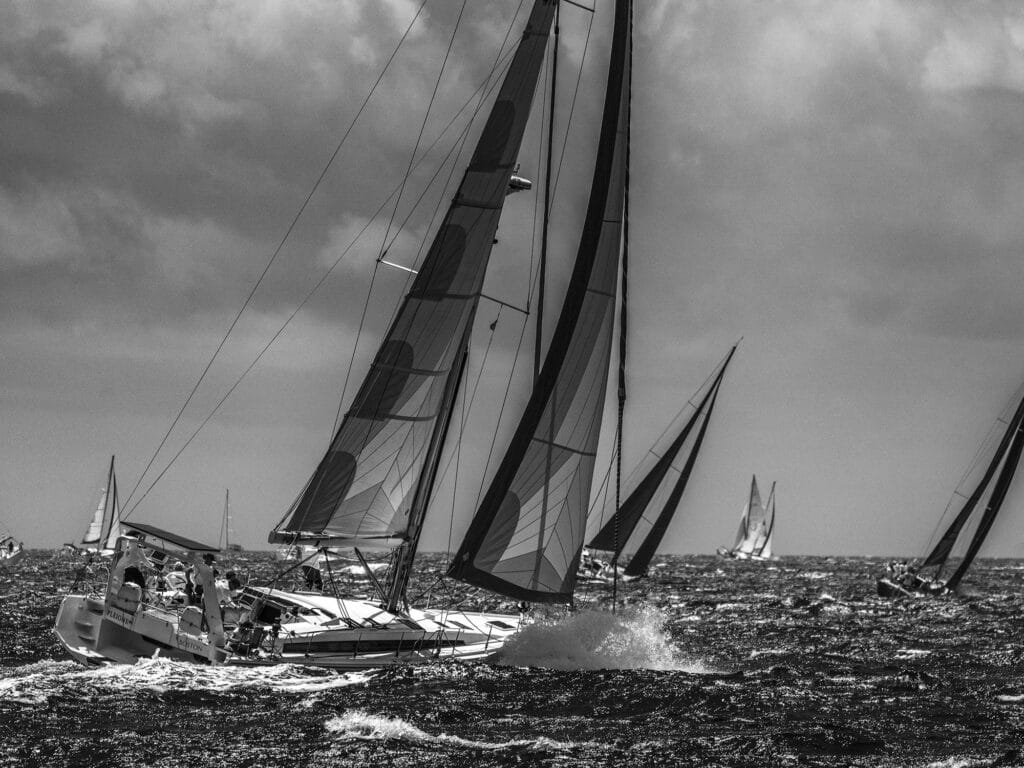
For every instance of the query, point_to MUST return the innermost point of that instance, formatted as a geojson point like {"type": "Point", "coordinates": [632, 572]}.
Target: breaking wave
{"type": "Point", "coordinates": [597, 640]}
{"type": "Point", "coordinates": [357, 724]}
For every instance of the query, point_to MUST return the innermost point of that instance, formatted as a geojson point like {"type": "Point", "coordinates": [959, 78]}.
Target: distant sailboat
{"type": "Point", "coordinates": [757, 524]}
{"type": "Point", "coordinates": [373, 486]}
{"type": "Point", "coordinates": [980, 508]}
{"type": "Point", "coordinates": [225, 527]}
{"type": "Point", "coordinates": [101, 534]}
{"type": "Point", "coordinates": [656, 484]}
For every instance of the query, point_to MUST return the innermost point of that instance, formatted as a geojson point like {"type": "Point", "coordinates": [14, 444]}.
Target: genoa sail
{"type": "Point", "coordinates": [527, 535]}
{"type": "Point", "coordinates": [616, 532]}
{"type": "Point", "coordinates": [987, 496]}
{"type": "Point", "coordinates": [362, 492]}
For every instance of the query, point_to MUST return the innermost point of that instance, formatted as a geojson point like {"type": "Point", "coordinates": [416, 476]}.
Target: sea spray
{"type": "Point", "coordinates": [589, 639]}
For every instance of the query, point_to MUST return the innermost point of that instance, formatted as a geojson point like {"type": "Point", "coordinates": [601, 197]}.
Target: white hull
{"type": "Point", "coordinates": [10, 558]}
{"type": "Point", "coordinates": [328, 632]}
{"type": "Point", "coordinates": [735, 554]}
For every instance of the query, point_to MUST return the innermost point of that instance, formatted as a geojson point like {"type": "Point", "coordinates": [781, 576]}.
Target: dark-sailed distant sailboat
{"type": "Point", "coordinates": [757, 525]}
{"type": "Point", "coordinates": [662, 478]}
{"type": "Point", "coordinates": [373, 487]}
{"type": "Point", "coordinates": [979, 510]}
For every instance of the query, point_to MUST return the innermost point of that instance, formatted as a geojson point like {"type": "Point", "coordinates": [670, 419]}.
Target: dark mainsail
{"type": "Point", "coordinates": [616, 532]}
{"type": "Point", "coordinates": [995, 483]}
{"type": "Point", "coordinates": [364, 491]}
{"type": "Point", "coordinates": [942, 549]}
{"type": "Point", "coordinates": [526, 537]}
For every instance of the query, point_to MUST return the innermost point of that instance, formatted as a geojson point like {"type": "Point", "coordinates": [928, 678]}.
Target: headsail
{"type": "Point", "coordinates": [362, 492]}
{"type": "Point", "coordinates": [616, 532]}
{"type": "Point", "coordinates": [526, 537]}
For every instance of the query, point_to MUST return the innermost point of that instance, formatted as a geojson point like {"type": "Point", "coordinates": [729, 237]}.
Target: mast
{"type": "Point", "coordinates": [995, 502]}
{"type": "Point", "coordinates": [526, 537]}
{"type": "Point", "coordinates": [406, 554]}
{"type": "Point", "coordinates": [539, 342]}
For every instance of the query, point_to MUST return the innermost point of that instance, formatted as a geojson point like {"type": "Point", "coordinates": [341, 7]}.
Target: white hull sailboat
{"type": "Point", "coordinates": [104, 526]}
{"type": "Point", "coordinates": [757, 525]}
{"type": "Point", "coordinates": [373, 487]}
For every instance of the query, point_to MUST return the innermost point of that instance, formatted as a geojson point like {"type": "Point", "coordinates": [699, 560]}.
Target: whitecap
{"type": "Point", "coordinates": [357, 724]}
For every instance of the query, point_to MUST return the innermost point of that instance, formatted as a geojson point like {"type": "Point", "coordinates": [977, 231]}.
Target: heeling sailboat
{"type": "Point", "coordinates": [979, 510]}
{"type": "Point", "coordinates": [614, 536]}
{"type": "Point", "coordinates": [101, 534]}
{"type": "Point", "coordinates": [373, 486]}
{"type": "Point", "coordinates": [757, 525]}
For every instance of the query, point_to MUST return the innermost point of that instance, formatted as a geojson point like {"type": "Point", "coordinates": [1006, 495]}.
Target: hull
{"type": "Point", "coordinates": [919, 588]}
{"type": "Point", "coordinates": [287, 628]}
{"type": "Point", "coordinates": [12, 557]}
{"type": "Point", "coordinates": [735, 554]}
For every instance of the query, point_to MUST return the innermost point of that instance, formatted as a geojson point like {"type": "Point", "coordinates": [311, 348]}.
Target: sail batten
{"type": "Point", "coordinates": [364, 487]}
{"type": "Point", "coordinates": [540, 493]}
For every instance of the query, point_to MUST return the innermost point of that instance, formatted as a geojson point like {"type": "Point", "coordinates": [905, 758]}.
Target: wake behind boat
{"type": "Point", "coordinates": [373, 486]}
{"type": "Point", "coordinates": [757, 525]}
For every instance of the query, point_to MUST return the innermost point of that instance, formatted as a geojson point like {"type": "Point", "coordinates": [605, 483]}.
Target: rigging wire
{"type": "Point", "coordinates": [277, 251]}
{"type": "Point", "coordinates": [327, 273]}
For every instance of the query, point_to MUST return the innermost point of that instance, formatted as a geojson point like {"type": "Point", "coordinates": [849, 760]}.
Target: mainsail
{"type": "Point", "coordinates": [526, 537]}
{"type": "Point", "coordinates": [363, 490]}
{"type": "Point", "coordinates": [616, 532]}
{"type": "Point", "coordinates": [1002, 466]}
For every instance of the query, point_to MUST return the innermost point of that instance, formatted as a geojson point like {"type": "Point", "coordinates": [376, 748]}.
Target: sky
{"type": "Point", "coordinates": [841, 184]}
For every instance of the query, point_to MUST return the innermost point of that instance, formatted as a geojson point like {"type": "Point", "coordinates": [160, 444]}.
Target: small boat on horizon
{"type": "Point", "coordinates": [104, 527]}
{"type": "Point", "coordinates": [757, 526]}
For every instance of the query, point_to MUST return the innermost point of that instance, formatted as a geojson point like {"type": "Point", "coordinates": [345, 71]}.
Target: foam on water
{"type": "Point", "coordinates": [35, 683]}
{"type": "Point", "coordinates": [357, 724]}
{"type": "Point", "coordinates": [633, 639]}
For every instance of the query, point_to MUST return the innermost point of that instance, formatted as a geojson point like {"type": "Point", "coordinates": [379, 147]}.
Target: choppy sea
{"type": "Point", "coordinates": [707, 663]}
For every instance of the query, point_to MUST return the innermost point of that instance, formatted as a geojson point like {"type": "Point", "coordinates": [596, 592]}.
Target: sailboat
{"type": "Point", "coordinates": [101, 534]}
{"type": "Point", "coordinates": [224, 540]}
{"type": "Point", "coordinates": [979, 509]}
{"type": "Point", "coordinates": [757, 524]}
{"type": "Point", "coordinates": [373, 487]}
{"type": "Point", "coordinates": [654, 484]}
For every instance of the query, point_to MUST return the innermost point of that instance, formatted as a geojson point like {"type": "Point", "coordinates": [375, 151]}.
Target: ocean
{"type": "Point", "coordinates": [795, 662]}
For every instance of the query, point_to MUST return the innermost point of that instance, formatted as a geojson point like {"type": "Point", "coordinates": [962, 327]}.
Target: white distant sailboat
{"type": "Point", "coordinates": [11, 550]}
{"type": "Point", "coordinates": [101, 534]}
{"type": "Point", "coordinates": [373, 487]}
{"type": "Point", "coordinates": [757, 524]}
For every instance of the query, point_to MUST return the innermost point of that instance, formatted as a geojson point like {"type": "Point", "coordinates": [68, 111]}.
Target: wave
{"type": "Point", "coordinates": [357, 724]}
{"type": "Point", "coordinates": [632, 639]}
{"type": "Point", "coordinates": [36, 683]}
